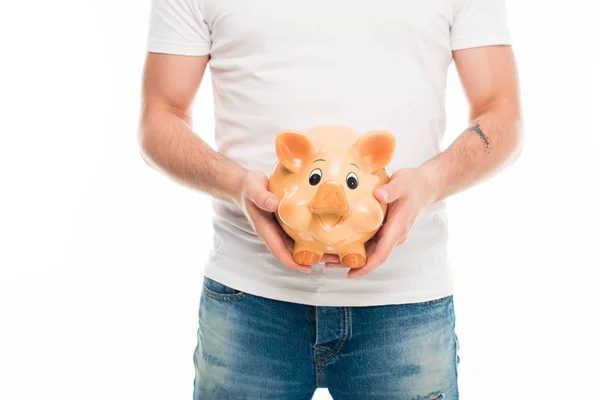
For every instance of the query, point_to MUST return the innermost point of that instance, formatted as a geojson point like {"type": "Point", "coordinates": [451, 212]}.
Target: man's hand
{"type": "Point", "coordinates": [492, 141]}
{"type": "Point", "coordinates": [258, 204]}
{"type": "Point", "coordinates": [407, 194]}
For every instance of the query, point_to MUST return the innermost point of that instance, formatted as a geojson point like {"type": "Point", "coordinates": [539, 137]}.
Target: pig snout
{"type": "Point", "coordinates": [330, 199]}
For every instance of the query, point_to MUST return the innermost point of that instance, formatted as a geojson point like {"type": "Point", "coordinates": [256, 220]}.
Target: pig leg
{"type": "Point", "coordinates": [356, 257]}
{"type": "Point", "coordinates": [303, 256]}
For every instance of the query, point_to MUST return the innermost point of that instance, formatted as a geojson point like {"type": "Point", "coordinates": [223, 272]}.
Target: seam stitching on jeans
{"type": "Point", "coordinates": [317, 373]}
{"type": "Point", "coordinates": [336, 350]}
{"type": "Point", "coordinates": [316, 368]}
{"type": "Point", "coordinates": [226, 297]}
{"type": "Point", "coordinates": [348, 322]}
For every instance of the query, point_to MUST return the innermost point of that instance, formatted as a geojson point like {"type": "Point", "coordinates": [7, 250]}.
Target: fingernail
{"type": "Point", "coordinates": [383, 193]}
{"type": "Point", "coordinates": [270, 204]}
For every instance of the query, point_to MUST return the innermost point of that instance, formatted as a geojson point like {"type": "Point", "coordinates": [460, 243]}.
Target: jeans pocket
{"type": "Point", "coordinates": [220, 291]}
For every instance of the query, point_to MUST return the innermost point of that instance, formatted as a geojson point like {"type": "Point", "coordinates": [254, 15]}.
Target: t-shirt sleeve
{"type": "Point", "coordinates": [178, 27]}
{"type": "Point", "coordinates": [479, 23]}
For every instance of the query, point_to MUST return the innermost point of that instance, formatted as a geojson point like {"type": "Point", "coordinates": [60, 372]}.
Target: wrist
{"type": "Point", "coordinates": [430, 183]}
{"type": "Point", "coordinates": [236, 185]}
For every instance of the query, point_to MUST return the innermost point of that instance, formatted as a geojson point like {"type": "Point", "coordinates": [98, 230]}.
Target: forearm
{"type": "Point", "coordinates": [491, 142]}
{"type": "Point", "coordinates": [169, 145]}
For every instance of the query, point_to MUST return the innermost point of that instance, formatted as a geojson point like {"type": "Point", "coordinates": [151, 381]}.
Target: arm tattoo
{"type": "Point", "coordinates": [475, 128]}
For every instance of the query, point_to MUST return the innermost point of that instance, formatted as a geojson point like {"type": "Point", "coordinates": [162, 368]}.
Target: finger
{"type": "Point", "coordinates": [264, 200]}
{"type": "Point", "coordinates": [370, 248]}
{"type": "Point", "coordinates": [257, 192]}
{"type": "Point", "coordinates": [287, 240]}
{"type": "Point", "coordinates": [379, 253]}
{"type": "Point", "coordinates": [276, 244]}
{"type": "Point", "coordinates": [403, 233]}
{"type": "Point", "coordinates": [281, 253]}
{"type": "Point", "coordinates": [391, 191]}
{"type": "Point", "coordinates": [377, 236]}
{"type": "Point", "coordinates": [402, 238]}
{"type": "Point", "coordinates": [330, 258]}
{"type": "Point", "coordinates": [289, 243]}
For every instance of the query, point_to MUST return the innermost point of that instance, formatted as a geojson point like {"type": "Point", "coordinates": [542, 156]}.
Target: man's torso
{"type": "Point", "coordinates": [280, 65]}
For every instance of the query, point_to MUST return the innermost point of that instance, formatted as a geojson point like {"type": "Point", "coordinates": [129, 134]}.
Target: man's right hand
{"type": "Point", "coordinates": [169, 145]}
{"type": "Point", "coordinates": [258, 204]}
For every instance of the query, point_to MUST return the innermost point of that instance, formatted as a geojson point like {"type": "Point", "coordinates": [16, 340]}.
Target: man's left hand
{"type": "Point", "coordinates": [407, 194]}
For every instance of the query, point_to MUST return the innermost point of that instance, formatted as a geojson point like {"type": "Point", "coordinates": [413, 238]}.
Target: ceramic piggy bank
{"type": "Point", "coordinates": [324, 180]}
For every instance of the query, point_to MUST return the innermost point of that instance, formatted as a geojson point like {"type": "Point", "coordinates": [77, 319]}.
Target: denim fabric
{"type": "Point", "coordinates": [250, 347]}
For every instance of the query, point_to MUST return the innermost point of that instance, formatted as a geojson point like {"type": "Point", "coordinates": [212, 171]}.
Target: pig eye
{"type": "Point", "coordinates": [352, 180]}
{"type": "Point", "coordinates": [315, 177]}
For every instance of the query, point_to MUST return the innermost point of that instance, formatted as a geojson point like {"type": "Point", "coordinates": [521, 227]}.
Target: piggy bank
{"type": "Point", "coordinates": [324, 180]}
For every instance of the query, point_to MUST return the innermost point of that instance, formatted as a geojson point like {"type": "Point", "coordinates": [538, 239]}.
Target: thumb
{"type": "Point", "coordinates": [257, 192]}
{"type": "Point", "coordinates": [391, 191]}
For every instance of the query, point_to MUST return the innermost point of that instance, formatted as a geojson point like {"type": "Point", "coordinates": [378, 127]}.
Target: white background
{"type": "Point", "coordinates": [101, 257]}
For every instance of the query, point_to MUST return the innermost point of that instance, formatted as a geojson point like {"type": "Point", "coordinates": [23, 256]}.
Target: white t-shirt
{"type": "Point", "coordinates": [294, 65]}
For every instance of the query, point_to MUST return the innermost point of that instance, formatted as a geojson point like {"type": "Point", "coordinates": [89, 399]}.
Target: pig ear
{"type": "Point", "coordinates": [375, 149]}
{"type": "Point", "coordinates": [293, 149]}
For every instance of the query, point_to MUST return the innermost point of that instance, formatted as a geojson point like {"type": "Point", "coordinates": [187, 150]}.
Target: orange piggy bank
{"type": "Point", "coordinates": [324, 180]}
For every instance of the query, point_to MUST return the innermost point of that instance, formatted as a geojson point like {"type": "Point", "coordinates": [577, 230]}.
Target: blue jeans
{"type": "Point", "coordinates": [250, 347]}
